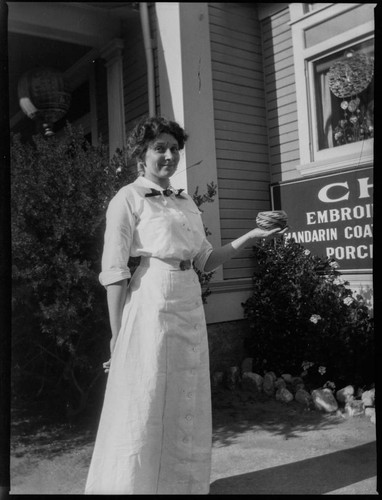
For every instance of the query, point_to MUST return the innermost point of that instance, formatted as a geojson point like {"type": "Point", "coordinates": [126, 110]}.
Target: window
{"type": "Point", "coordinates": [344, 96]}
{"type": "Point", "coordinates": [334, 63]}
{"type": "Point", "coordinates": [310, 7]}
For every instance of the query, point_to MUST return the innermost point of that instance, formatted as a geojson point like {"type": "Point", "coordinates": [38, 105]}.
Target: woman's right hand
{"type": "Point", "coordinates": [106, 365]}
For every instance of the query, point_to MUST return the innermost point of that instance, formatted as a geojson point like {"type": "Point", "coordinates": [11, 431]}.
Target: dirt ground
{"type": "Point", "coordinates": [259, 447]}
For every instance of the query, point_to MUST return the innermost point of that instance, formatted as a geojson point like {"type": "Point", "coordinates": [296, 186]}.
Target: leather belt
{"type": "Point", "coordinates": [169, 264]}
{"type": "Point", "coordinates": [185, 265]}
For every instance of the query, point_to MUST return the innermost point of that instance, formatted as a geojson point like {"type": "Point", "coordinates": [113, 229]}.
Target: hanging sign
{"type": "Point", "coordinates": [332, 216]}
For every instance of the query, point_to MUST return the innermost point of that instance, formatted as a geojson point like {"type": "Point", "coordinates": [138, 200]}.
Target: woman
{"type": "Point", "coordinates": [154, 435]}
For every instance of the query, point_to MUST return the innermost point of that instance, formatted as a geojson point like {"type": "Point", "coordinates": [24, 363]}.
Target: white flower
{"type": "Point", "coordinates": [315, 318]}
{"type": "Point", "coordinates": [306, 365]}
{"type": "Point", "coordinates": [337, 281]}
{"type": "Point", "coordinates": [330, 385]}
{"type": "Point", "coordinates": [348, 301]}
{"type": "Point", "coordinates": [306, 252]}
{"type": "Point", "coordinates": [118, 170]}
{"type": "Point", "coordinates": [321, 370]}
{"type": "Point", "coordinates": [333, 264]}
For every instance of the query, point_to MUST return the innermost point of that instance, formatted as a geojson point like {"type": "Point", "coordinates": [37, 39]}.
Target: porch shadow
{"type": "Point", "coordinates": [232, 416]}
{"type": "Point", "coordinates": [313, 476]}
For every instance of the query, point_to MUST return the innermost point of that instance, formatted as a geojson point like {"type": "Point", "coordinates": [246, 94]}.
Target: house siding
{"type": "Point", "coordinates": [280, 93]}
{"type": "Point", "coordinates": [240, 125]}
{"type": "Point", "coordinates": [135, 76]}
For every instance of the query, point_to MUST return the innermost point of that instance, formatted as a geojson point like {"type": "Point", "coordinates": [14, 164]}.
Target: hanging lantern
{"type": "Point", "coordinates": [44, 96]}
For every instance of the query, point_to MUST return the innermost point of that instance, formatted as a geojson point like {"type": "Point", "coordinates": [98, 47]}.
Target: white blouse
{"type": "Point", "coordinates": [164, 227]}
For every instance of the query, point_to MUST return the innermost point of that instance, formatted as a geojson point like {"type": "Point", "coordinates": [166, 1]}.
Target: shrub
{"type": "Point", "coordinates": [301, 310]}
{"type": "Point", "coordinates": [59, 192]}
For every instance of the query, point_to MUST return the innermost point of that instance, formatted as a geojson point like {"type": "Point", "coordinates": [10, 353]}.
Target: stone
{"type": "Point", "coordinates": [368, 397]}
{"type": "Point", "coordinates": [280, 383]}
{"type": "Point", "coordinates": [217, 379]}
{"type": "Point", "coordinates": [324, 400]}
{"type": "Point", "coordinates": [355, 408]}
{"type": "Point", "coordinates": [303, 397]}
{"type": "Point", "coordinates": [297, 381]}
{"type": "Point", "coordinates": [370, 412]}
{"type": "Point", "coordinates": [287, 377]}
{"type": "Point", "coordinates": [247, 365]}
{"type": "Point", "coordinates": [232, 377]}
{"type": "Point", "coordinates": [269, 384]}
{"type": "Point", "coordinates": [358, 394]}
{"type": "Point", "coordinates": [298, 387]}
{"type": "Point", "coordinates": [284, 395]}
{"type": "Point", "coordinates": [345, 394]}
{"type": "Point", "coordinates": [252, 382]}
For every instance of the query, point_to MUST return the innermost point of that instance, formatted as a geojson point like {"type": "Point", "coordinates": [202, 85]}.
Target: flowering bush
{"type": "Point", "coordinates": [300, 309]}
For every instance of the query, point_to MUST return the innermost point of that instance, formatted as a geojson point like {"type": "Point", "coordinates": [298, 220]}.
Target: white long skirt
{"type": "Point", "coordinates": [154, 435]}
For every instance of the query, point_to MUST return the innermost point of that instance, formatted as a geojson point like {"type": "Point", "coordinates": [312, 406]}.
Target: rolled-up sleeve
{"type": "Point", "coordinates": [120, 224]}
{"type": "Point", "coordinates": [201, 258]}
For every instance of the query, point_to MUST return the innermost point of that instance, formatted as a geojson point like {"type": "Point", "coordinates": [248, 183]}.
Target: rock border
{"type": "Point", "coordinates": [287, 388]}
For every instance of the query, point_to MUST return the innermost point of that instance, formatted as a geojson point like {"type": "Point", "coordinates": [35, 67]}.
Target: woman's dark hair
{"type": "Point", "coordinates": [147, 130]}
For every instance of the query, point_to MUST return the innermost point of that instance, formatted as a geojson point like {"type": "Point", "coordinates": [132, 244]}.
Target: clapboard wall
{"type": "Point", "coordinates": [240, 124]}
{"type": "Point", "coordinates": [280, 93]}
{"type": "Point", "coordinates": [135, 75]}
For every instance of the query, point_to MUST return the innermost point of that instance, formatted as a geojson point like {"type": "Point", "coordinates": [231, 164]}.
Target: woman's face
{"type": "Point", "coordinates": [161, 159]}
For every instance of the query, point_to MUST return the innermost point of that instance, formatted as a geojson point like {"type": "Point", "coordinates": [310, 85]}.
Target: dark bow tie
{"type": "Point", "coordinates": [166, 192]}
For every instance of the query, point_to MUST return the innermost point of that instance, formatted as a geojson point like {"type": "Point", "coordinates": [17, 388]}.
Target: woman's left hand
{"type": "Point", "coordinates": [266, 235]}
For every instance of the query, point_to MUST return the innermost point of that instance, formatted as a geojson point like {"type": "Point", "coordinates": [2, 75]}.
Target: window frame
{"type": "Point", "coordinates": [313, 160]}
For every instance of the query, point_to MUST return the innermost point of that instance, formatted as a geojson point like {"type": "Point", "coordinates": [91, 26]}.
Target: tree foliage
{"type": "Point", "coordinates": [301, 310]}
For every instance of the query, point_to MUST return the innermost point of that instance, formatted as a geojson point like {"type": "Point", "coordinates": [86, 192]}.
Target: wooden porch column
{"type": "Point", "coordinates": [185, 92]}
